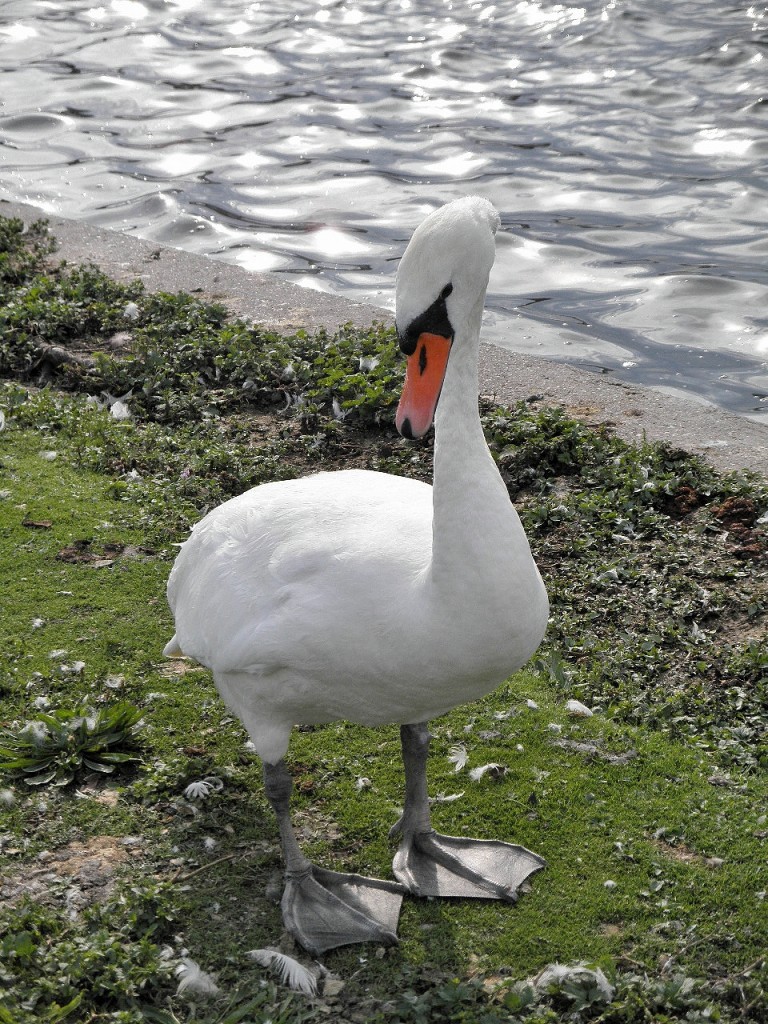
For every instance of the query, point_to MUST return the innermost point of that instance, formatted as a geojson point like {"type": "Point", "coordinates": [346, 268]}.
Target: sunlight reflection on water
{"type": "Point", "coordinates": [623, 143]}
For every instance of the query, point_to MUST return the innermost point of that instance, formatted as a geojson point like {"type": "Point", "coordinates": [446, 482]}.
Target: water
{"type": "Point", "coordinates": [624, 144]}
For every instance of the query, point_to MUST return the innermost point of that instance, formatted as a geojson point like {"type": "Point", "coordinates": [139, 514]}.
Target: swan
{"type": "Point", "coordinates": [368, 597]}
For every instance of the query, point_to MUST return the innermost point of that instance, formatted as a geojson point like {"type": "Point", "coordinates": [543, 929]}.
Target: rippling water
{"type": "Point", "coordinates": [624, 144]}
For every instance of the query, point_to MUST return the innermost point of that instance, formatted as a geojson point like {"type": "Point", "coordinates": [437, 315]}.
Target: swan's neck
{"type": "Point", "coordinates": [460, 448]}
{"type": "Point", "coordinates": [476, 532]}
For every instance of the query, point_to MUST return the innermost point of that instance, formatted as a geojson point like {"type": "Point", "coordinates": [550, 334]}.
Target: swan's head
{"type": "Point", "coordinates": [441, 283]}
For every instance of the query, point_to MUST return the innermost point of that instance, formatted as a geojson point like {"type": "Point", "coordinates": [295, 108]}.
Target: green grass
{"type": "Point", "coordinates": [657, 577]}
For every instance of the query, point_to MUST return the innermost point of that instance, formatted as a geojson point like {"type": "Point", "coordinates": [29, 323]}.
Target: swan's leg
{"type": "Point", "coordinates": [323, 909]}
{"type": "Point", "coordinates": [429, 864]}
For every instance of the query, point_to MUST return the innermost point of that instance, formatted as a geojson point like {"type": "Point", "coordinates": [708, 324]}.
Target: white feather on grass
{"type": "Point", "coordinates": [578, 710]}
{"type": "Point", "coordinates": [556, 975]}
{"type": "Point", "coordinates": [457, 755]}
{"type": "Point", "coordinates": [193, 980]}
{"type": "Point", "coordinates": [293, 974]}
{"type": "Point", "coordinates": [496, 771]}
{"type": "Point", "coordinates": [446, 798]}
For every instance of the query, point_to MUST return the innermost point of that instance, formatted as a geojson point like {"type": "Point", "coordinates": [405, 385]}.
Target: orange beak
{"type": "Point", "coordinates": [424, 373]}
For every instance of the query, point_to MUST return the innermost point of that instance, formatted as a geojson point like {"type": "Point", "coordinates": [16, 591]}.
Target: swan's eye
{"type": "Point", "coordinates": [446, 291]}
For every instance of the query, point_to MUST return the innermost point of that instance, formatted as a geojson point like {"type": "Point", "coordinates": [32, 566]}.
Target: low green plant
{"type": "Point", "coordinates": [576, 995]}
{"type": "Point", "coordinates": [58, 745]}
{"type": "Point", "coordinates": [110, 959]}
{"type": "Point", "coordinates": [23, 251]}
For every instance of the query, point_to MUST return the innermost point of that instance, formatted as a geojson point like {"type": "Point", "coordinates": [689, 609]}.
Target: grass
{"type": "Point", "coordinates": [651, 813]}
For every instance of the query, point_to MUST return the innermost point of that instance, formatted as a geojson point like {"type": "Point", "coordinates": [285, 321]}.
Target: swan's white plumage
{"type": "Point", "coordinates": [363, 596]}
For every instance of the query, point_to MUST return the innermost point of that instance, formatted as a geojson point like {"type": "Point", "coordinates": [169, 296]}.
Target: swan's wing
{"type": "Point", "coordinates": [319, 557]}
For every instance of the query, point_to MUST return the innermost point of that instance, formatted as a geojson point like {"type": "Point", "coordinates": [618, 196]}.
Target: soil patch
{"type": "Point", "coordinates": [87, 870]}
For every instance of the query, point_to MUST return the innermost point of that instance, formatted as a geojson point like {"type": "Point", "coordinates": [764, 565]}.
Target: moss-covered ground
{"type": "Point", "coordinates": [126, 416]}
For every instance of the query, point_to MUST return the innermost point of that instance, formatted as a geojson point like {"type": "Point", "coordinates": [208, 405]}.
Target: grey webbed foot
{"type": "Point", "coordinates": [323, 909]}
{"type": "Point", "coordinates": [430, 864]}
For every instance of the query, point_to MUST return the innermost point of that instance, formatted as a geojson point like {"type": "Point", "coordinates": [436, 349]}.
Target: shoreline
{"type": "Point", "coordinates": [724, 439]}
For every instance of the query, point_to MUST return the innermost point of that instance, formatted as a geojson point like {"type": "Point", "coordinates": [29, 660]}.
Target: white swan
{"type": "Point", "coordinates": [362, 596]}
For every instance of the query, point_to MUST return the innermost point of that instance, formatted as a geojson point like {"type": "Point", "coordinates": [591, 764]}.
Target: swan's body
{"type": "Point", "coordinates": [314, 600]}
{"type": "Point", "coordinates": [363, 596]}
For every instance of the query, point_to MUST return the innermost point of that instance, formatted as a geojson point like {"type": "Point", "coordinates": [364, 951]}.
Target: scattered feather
{"type": "Point", "coordinates": [610, 884]}
{"type": "Point", "coordinates": [555, 727]}
{"type": "Point", "coordinates": [49, 456]}
{"type": "Point", "coordinates": [35, 732]}
{"type": "Point", "coordinates": [131, 311]}
{"type": "Point", "coordinates": [38, 623]}
{"type": "Point", "coordinates": [496, 771]}
{"type": "Point", "coordinates": [193, 980]}
{"type": "Point", "coordinates": [578, 710]}
{"type": "Point", "coordinates": [203, 788]}
{"type": "Point", "coordinates": [593, 750]}
{"type": "Point", "coordinates": [446, 798]}
{"type": "Point", "coordinates": [362, 783]}
{"type": "Point", "coordinates": [120, 411]}
{"type": "Point", "coordinates": [118, 407]}
{"type": "Point", "coordinates": [291, 973]}
{"type": "Point", "coordinates": [2, 420]}
{"type": "Point", "coordinates": [697, 633]}
{"type": "Point", "coordinates": [558, 975]}
{"type": "Point", "coordinates": [7, 798]}
{"type": "Point", "coordinates": [609, 574]}
{"type": "Point", "coordinates": [532, 705]}
{"type": "Point", "coordinates": [458, 756]}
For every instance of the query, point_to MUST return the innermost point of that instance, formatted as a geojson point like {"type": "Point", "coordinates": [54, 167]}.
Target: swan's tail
{"type": "Point", "coordinates": [172, 649]}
